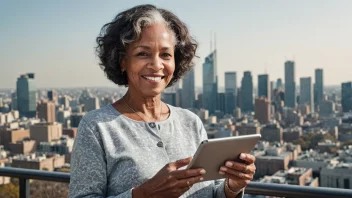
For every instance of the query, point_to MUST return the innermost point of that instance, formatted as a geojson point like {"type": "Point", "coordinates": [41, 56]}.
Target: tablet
{"type": "Point", "coordinates": [213, 153]}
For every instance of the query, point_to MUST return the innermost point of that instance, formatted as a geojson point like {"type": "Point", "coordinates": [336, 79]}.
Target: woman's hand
{"type": "Point", "coordinates": [170, 182]}
{"type": "Point", "coordinates": [239, 174]}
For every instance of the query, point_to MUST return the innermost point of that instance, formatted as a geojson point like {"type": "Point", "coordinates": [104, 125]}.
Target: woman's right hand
{"type": "Point", "coordinates": [169, 181]}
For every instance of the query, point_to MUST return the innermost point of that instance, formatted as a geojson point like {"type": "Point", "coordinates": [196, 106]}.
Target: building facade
{"type": "Point", "coordinates": [262, 110]}
{"type": "Point", "coordinates": [264, 86]}
{"type": "Point", "coordinates": [26, 95]}
{"type": "Point", "coordinates": [47, 111]}
{"type": "Point", "coordinates": [45, 132]}
{"type": "Point", "coordinates": [318, 86]}
{"type": "Point", "coordinates": [210, 82]}
{"type": "Point", "coordinates": [188, 90]}
{"type": "Point", "coordinates": [247, 92]}
{"type": "Point", "coordinates": [346, 96]}
{"type": "Point", "coordinates": [290, 84]}
{"type": "Point", "coordinates": [230, 92]}
{"type": "Point", "coordinates": [306, 93]}
{"type": "Point", "coordinates": [272, 133]}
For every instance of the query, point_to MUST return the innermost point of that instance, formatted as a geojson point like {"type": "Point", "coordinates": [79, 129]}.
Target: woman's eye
{"type": "Point", "coordinates": [166, 55]}
{"type": "Point", "coordinates": [142, 54]}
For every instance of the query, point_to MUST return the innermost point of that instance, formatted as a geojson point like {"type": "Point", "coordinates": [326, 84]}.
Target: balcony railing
{"type": "Point", "coordinates": [254, 188]}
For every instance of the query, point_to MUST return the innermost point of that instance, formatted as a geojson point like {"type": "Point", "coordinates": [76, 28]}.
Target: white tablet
{"type": "Point", "coordinates": [213, 153]}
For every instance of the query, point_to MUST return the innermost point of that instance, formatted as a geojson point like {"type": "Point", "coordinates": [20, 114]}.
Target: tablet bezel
{"type": "Point", "coordinates": [213, 153]}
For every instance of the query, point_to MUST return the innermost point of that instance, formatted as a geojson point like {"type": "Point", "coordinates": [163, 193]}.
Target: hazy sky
{"type": "Point", "coordinates": [56, 39]}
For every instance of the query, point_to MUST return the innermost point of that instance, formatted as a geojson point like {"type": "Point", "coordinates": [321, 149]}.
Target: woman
{"type": "Point", "coordinates": [135, 146]}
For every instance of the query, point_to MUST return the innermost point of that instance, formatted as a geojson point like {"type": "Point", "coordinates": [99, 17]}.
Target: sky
{"type": "Point", "coordinates": [56, 39]}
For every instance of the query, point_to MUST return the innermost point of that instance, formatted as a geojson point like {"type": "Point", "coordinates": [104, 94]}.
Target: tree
{"type": "Point", "coordinates": [48, 189]}
{"type": "Point", "coordinates": [10, 190]}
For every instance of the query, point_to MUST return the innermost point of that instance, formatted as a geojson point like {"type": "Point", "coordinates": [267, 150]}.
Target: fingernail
{"type": "Point", "coordinates": [221, 173]}
{"type": "Point", "coordinates": [223, 168]}
{"type": "Point", "coordinates": [229, 164]}
{"type": "Point", "coordinates": [202, 171]}
{"type": "Point", "coordinates": [201, 179]}
{"type": "Point", "coordinates": [243, 156]}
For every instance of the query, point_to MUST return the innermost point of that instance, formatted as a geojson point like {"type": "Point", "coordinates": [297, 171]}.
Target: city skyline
{"type": "Point", "coordinates": [251, 36]}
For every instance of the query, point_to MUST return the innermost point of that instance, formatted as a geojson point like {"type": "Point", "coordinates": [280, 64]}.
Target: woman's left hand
{"type": "Point", "coordinates": [239, 174]}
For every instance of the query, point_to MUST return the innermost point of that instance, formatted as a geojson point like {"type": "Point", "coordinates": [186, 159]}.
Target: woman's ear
{"type": "Point", "coordinates": [122, 64]}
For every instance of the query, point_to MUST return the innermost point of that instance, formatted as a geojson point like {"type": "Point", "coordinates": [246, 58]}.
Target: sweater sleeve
{"type": "Point", "coordinates": [88, 166]}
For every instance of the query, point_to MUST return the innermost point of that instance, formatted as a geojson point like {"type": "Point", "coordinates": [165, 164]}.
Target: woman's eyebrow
{"type": "Point", "coordinates": [141, 46]}
{"type": "Point", "coordinates": [148, 48]}
{"type": "Point", "coordinates": [165, 48]}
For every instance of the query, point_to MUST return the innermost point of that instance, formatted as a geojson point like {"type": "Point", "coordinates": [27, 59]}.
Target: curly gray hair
{"type": "Point", "coordinates": [126, 28]}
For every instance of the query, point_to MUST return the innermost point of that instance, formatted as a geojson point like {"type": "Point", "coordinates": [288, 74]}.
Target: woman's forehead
{"type": "Point", "coordinates": [157, 33]}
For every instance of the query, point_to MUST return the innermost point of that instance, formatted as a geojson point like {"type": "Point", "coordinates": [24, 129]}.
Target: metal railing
{"type": "Point", "coordinates": [254, 188]}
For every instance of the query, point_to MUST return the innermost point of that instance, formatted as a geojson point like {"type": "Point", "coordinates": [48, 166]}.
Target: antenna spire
{"type": "Point", "coordinates": [211, 44]}
{"type": "Point", "coordinates": [215, 40]}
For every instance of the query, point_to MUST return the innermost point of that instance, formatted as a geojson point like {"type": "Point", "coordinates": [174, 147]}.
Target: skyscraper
{"type": "Point", "coordinates": [272, 88]}
{"type": "Point", "coordinates": [239, 97]}
{"type": "Point", "coordinates": [346, 96]}
{"type": "Point", "coordinates": [290, 85]}
{"type": "Point", "coordinates": [306, 93]}
{"type": "Point", "coordinates": [199, 101]}
{"type": "Point", "coordinates": [210, 83]}
{"type": "Point", "coordinates": [230, 92]}
{"type": "Point", "coordinates": [26, 95]}
{"type": "Point", "coordinates": [264, 86]}
{"type": "Point", "coordinates": [221, 102]}
{"type": "Point", "coordinates": [247, 92]}
{"type": "Point", "coordinates": [188, 92]}
{"type": "Point", "coordinates": [279, 84]}
{"type": "Point", "coordinates": [318, 86]}
{"type": "Point", "coordinates": [14, 101]}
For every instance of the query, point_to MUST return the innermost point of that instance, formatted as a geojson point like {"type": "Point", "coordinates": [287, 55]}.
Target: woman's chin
{"type": "Point", "coordinates": [152, 92]}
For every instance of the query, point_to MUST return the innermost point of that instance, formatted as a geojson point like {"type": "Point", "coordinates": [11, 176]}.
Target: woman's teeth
{"type": "Point", "coordinates": [155, 79]}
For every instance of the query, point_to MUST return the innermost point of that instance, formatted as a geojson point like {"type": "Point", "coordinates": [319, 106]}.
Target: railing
{"type": "Point", "coordinates": [254, 188]}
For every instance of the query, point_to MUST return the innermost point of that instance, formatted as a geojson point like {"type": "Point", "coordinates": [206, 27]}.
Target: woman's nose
{"type": "Point", "coordinates": [156, 63]}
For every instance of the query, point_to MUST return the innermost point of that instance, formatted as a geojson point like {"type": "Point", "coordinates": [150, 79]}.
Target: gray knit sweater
{"type": "Point", "coordinates": [113, 153]}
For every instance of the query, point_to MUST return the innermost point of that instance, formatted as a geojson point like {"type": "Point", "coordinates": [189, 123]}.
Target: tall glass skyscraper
{"type": "Point", "coordinates": [306, 92]}
{"type": "Point", "coordinates": [188, 93]}
{"type": "Point", "coordinates": [14, 101]}
{"type": "Point", "coordinates": [26, 95]}
{"type": "Point", "coordinates": [290, 85]}
{"type": "Point", "coordinates": [221, 102]}
{"type": "Point", "coordinates": [210, 82]}
{"type": "Point", "coordinates": [247, 92]}
{"type": "Point", "coordinates": [279, 84]}
{"type": "Point", "coordinates": [230, 92]}
{"type": "Point", "coordinates": [264, 86]}
{"type": "Point", "coordinates": [346, 96]}
{"type": "Point", "coordinates": [318, 86]}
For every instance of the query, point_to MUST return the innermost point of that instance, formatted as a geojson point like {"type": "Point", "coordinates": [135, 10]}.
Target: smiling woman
{"type": "Point", "coordinates": [126, 28]}
{"type": "Point", "coordinates": [149, 62]}
{"type": "Point", "coordinates": [135, 146]}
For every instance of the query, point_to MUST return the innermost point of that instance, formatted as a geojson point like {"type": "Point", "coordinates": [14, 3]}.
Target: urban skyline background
{"type": "Point", "coordinates": [279, 69]}
{"type": "Point", "coordinates": [56, 41]}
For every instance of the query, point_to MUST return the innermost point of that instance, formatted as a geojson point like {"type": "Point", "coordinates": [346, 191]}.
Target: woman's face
{"type": "Point", "coordinates": [150, 62]}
